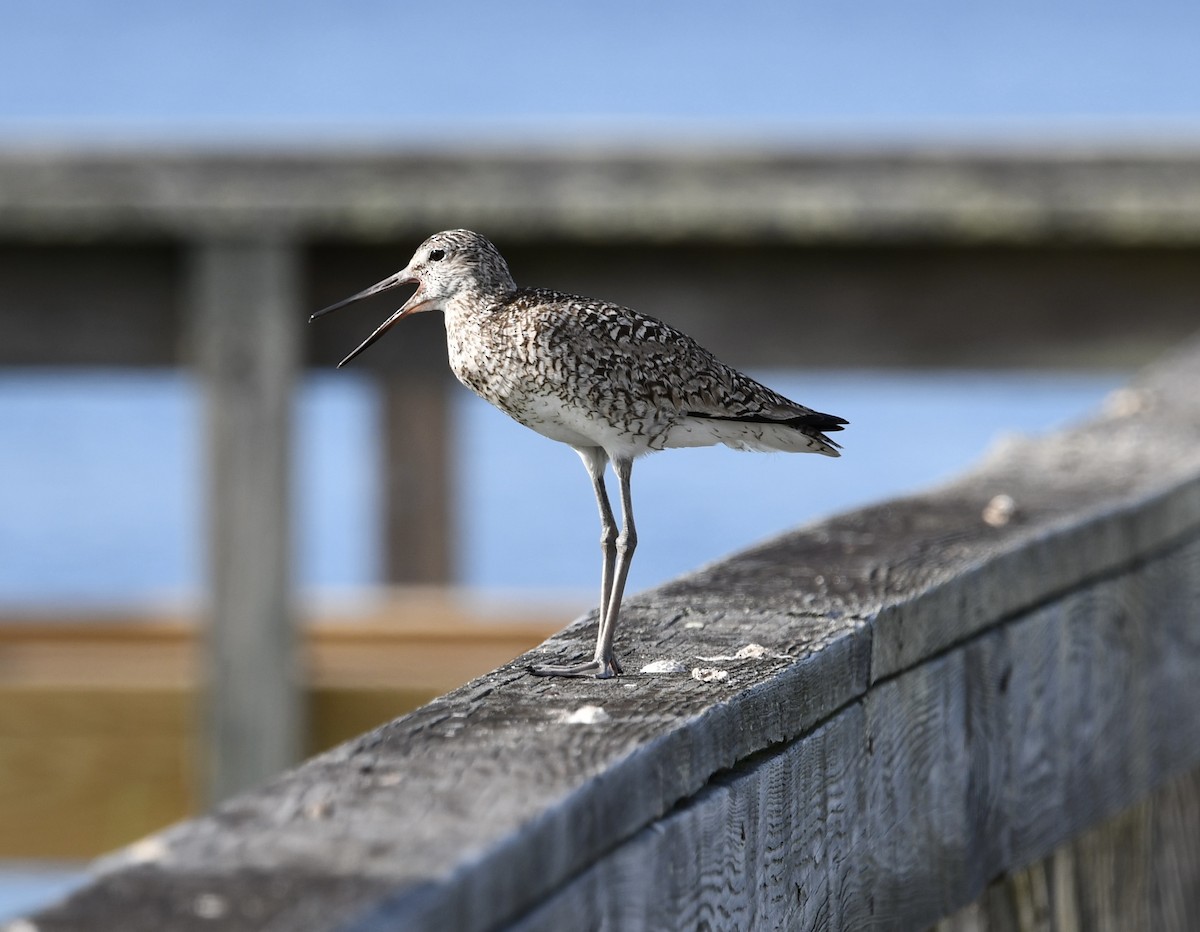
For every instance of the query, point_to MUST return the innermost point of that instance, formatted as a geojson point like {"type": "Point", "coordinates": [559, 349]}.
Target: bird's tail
{"type": "Point", "coordinates": [801, 433]}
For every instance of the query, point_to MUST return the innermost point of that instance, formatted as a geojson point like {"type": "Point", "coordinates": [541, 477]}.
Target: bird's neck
{"type": "Point", "coordinates": [468, 304]}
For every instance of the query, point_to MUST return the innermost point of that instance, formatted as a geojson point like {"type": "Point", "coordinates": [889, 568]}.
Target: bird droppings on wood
{"type": "Point", "coordinates": [999, 510]}
{"type": "Point", "coordinates": [665, 666]}
{"type": "Point", "coordinates": [749, 652]}
{"type": "Point", "coordinates": [709, 675]}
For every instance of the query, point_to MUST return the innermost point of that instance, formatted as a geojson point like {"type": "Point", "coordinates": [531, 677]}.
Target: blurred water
{"type": "Point", "coordinates": [101, 479]}
{"type": "Point", "coordinates": [101, 485]}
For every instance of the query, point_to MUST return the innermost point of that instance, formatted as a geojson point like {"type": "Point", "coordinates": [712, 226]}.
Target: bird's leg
{"type": "Point", "coordinates": [604, 664]}
{"type": "Point", "coordinates": [595, 459]}
{"type": "Point", "coordinates": [626, 544]}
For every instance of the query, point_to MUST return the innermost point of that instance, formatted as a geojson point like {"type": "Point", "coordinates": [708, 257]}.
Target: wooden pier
{"type": "Point", "coordinates": [973, 707]}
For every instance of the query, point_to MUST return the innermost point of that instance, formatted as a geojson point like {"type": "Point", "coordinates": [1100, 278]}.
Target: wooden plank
{"type": "Point", "coordinates": [773, 851]}
{"type": "Point", "coordinates": [1114, 193]}
{"type": "Point", "coordinates": [421, 641]}
{"type": "Point", "coordinates": [1138, 870]}
{"type": "Point", "coordinates": [247, 324]}
{"type": "Point", "coordinates": [494, 800]}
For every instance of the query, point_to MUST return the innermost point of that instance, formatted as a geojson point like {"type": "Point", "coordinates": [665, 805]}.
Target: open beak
{"type": "Point", "coordinates": [411, 306]}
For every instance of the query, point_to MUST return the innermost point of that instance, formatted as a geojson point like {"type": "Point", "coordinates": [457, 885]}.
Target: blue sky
{"type": "Point", "coordinates": [406, 66]}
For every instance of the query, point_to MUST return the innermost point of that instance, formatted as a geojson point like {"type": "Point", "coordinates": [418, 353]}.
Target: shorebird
{"type": "Point", "coordinates": [608, 381]}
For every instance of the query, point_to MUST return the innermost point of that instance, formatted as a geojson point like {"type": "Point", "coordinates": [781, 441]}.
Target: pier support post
{"type": "Point", "coordinates": [419, 480]}
{"type": "Point", "coordinates": [246, 318]}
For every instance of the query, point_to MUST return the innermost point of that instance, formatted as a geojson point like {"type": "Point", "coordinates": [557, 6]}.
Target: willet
{"type": "Point", "coordinates": [612, 383]}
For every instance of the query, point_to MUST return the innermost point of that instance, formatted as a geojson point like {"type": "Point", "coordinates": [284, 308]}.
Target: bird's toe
{"type": "Point", "coordinates": [598, 669]}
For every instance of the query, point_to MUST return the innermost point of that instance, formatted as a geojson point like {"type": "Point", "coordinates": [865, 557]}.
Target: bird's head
{"type": "Point", "coordinates": [450, 267]}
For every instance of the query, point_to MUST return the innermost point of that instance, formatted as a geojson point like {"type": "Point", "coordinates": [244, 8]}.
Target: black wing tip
{"type": "Point", "coordinates": [812, 420]}
{"type": "Point", "coordinates": [818, 421]}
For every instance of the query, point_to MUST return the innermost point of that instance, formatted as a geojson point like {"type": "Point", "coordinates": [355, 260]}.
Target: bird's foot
{"type": "Point", "coordinates": [600, 668]}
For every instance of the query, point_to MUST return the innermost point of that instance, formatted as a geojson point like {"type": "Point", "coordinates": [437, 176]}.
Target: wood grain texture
{"type": "Point", "coordinates": [1137, 870]}
{"type": "Point", "coordinates": [933, 701]}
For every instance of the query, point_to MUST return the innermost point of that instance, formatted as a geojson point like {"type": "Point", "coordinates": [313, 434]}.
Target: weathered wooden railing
{"type": "Point", "coordinates": [988, 694]}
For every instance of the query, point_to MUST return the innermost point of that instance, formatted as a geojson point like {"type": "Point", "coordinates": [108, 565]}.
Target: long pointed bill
{"type": "Point", "coordinates": [394, 281]}
{"type": "Point", "coordinates": [410, 306]}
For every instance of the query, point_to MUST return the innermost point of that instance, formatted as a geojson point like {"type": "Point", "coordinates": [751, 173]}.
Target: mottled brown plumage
{"type": "Point", "coordinates": [611, 382]}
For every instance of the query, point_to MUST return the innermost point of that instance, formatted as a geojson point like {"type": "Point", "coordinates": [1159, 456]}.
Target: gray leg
{"type": "Point", "coordinates": [617, 551]}
{"type": "Point", "coordinates": [595, 459]}
{"type": "Point", "coordinates": [626, 544]}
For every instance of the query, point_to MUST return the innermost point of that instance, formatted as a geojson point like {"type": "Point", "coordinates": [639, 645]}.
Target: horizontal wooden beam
{"type": "Point", "coordinates": [781, 305]}
{"type": "Point", "coordinates": [1113, 193]}
{"type": "Point", "coordinates": [429, 639]}
{"type": "Point", "coordinates": [874, 716]}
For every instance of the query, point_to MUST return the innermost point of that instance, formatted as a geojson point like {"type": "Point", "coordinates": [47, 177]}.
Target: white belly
{"type": "Point", "coordinates": [552, 418]}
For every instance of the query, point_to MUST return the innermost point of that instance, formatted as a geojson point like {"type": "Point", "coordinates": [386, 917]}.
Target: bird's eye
{"type": "Point", "coordinates": [437, 255]}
